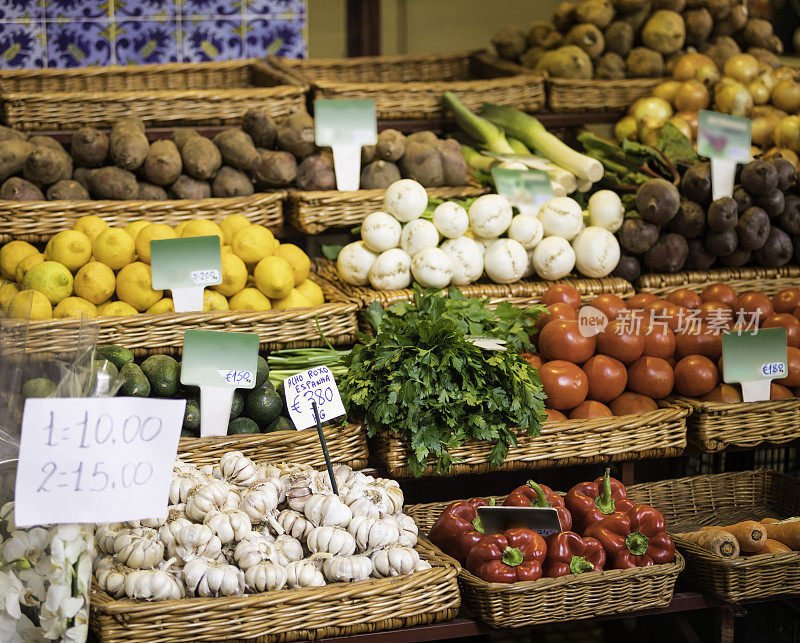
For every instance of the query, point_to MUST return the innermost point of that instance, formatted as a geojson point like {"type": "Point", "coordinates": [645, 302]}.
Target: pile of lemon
{"type": "Point", "coordinates": [95, 270]}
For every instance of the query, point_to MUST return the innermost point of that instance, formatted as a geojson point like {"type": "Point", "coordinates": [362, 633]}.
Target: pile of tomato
{"type": "Point", "coordinates": [674, 349]}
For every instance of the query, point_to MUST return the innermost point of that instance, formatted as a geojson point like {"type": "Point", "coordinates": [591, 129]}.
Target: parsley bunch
{"type": "Point", "coordinates": [424, 378]}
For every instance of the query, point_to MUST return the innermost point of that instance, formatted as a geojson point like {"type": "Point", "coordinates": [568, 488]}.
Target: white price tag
{"type": "Point", "coordinates": [237, 377]}
{"type": "Point", "coordinates": [96, 460]}
{"type": "Point", "coordinates": [318, 385]}
{"type": "Point", "coordinates": [203, 277]}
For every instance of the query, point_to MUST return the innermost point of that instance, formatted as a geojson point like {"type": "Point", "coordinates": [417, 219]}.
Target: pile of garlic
{"type": "Point", "coordinates": [240, 527]}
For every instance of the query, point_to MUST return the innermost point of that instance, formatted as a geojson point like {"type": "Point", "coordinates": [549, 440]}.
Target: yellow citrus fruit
{"type": "Point", "coordinates": [274, 277]}
{"type": "Point", "coordinates": [249, 299]}
{"type": "Point", "coordinates": [179, 228]}
{"type": "Point", "coordinates": [50, 278]}
{"type": "Point", "coordinates": [212, 300]}
{"type": "Point", "coordinates": [91, 225]}
{"type": "Point", "coordinates": [161, 306]}
{"type": "Point", "coordinates": [294, 300]}
{"type": "Point", "coordinates": [202, 228]}
{"type": "Point", "coordinates": [116, 309]}
{"type": "Point", "coordinates": [114, 247]}
{"type": "Point", "coordinates": [234, 275]}
{"type": "Point", "coordinates": [135, 286]}
{"type": "Point", "coordinates": [74, 307]}
{"type": "Point", "coordinates": [26, 264]}
{"type": "Point", "coordinates": [298, 260]}
{"type": "Point", "coordinates": [151, 232]}
{"type": "Point", "coordinates": [70, 247]}
{"type": "Point", "coordinates": [11, 254]}
{"type": "Point", "coordinates": [231, 225]}
{"type": "Point", "coordinates": [7, 292]}
{"type": "Point", "coordinates": [312, 292]}
{"type": "Point", "coordinates": [95, 282]}
{"type": "Point", "coordinates": [30, 304]}
{"type": "Point", "coordinates": [225, 249]}
{"type": "Point", "coordinates": [253, 243]}
{"type": "Point", "coordinates": [135, 227]}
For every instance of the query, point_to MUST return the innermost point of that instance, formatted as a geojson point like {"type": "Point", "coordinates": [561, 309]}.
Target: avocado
{"type": "Point", "coordinates": [163, 372]}
{"type": "Point", "coordinates": [281, 424]}
{"type": "Point", "coordinates": [103, 378]}
{"type": "Point", "coordinates": [191, 416]}
{"type": "Point", "coordinates": [38, 387]}
{"type": "Point", "coordinates": [134, 383]}
{"type": "Point", "coordinates": [263, 405]}
{"type": "Point", "coordinates": [237, 405]}
{"type": "Point", "coordinates": [188, 433]}
{"type": "Point", "coordinates": [117, 355]}
{"type": "Point", "coordinates": [242, 425]}
{"type": "Point", "coordinates": [262, 371]}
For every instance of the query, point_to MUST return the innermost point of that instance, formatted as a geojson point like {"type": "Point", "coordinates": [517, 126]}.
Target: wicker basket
{"type": "Point", "coordinates": [766, 280]}
{"type": "Point", "coordinates": [574, 95]}
{"type": "Point", "coordinates": [216, 93]}
{"type": "Point", "coordinates": [339, 609]}
{"type": "Point", "coordinates": [411, 87]}
{"type": "Point", "coordinates": [315, 212]}
{"type": "Point", "coordinates": [723, 499]}
{"type": "Point", "coordinates": [656, 434]}
{"type": "Point", "coordinates": [714, 426]}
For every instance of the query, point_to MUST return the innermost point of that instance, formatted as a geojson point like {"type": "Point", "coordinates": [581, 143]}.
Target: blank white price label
{"type": "Point", "coordinates": [315, 384]}
{"type": "Point", "coordinates": [96, 460]}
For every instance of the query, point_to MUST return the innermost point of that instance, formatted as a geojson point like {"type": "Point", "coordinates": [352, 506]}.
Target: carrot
{"type": "Point", "coordinates": [772, 547]}
{"type": "Point", "coordinates": [749, 533]}
{"type": "Point", "coordinates": [786, 531]}
{"type": "Point", "coordinates": [717, 541]}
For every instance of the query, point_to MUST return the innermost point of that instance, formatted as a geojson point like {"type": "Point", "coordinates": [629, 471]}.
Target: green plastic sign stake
{"type": "Point", "coordinates": [218, 362]}
{"type": "Point", "coordinates": [186, 267]}
{"type": "Point", "coordinates": [754, 359]}
{"type": "Point", "coordinates": [345, 126]}
{"type": "Point", "coordinates": [725, 139]}
{"type": "Point", "coordinates": [528, 190]}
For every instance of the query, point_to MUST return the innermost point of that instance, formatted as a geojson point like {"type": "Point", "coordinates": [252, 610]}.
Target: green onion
{"type": "Point", "coordinates": [285, 363]}
{"type": "Point", "coordinates": [488, 135]}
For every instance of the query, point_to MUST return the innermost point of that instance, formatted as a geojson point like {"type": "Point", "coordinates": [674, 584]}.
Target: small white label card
{"type": "Point", "coordinates": [318, 385]}
{"type": "Point", "coordinates": [186, 266]}
{"type": "Point", "coordinates": [725, 139]}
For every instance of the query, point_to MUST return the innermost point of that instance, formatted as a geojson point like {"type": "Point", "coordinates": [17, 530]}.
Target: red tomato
{"type": "Point", "coordinates": [685, 298]}
{"type": "Point", "coordinates": [723, 393]}
{"type": "Point", "coordinates": [533, 359]}
{"type": "Point", "coordinates": [664, 313]}
{"type": "Point", "coordinates": [562, 293]}
{"type": "Point", "coordinates": [706, 342]}
{"type": "Point", "coordinates": [793, 378]}
{"type": "Point", "coordinates": [695, 375]}
{"type": "Point", "coordinates": [632, 403]}
{"type": "Point", "coordinates": [787, 321]}
{"type": "Point", "coordinates": [719, 292]}
{"type": "Point", "coordinates": [778, 392]}
{"type": "Point", "coordinates": [716, 315]}
{"type": "Point", "coordinates": [562, 339]}
{"type": "Point", "coordinates": [554, 416]}
{"type": "Point", "coordinates": [558, 310]}
{"type": "Point", "coordinates": [616, 342]}
{"type": "Point", "coordinates": [786, 300]}
{"type": "Point", "coordinates": [607, 377]}
{"type": "Point", "coordinates": [651, 376]}
{"type": "Point", "coordinates": [564, 383]}
{"type": "Point", "coordinates": [590, 409]}
{"type": "Point", "coordinates": [659, 341]}
{"type": "Point", "coordinates": [796, 312]}
{"type": "Point", "coordinates": [756, 304]}
{"type": "Point", "coordinates": [640, 300]}
{"type": "Point", "coordinates": [610, 305]}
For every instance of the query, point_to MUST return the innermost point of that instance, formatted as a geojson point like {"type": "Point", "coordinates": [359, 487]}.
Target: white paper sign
{"type": "Point", "coordinates": [315, 384]}
{"type": "Point", "coordinates": [237, 377]}
{"type": "Point", "coordinates": [96, 460]}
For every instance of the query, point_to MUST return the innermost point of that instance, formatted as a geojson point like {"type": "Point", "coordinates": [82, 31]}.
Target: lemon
{"type": "Point", "coordinates": [179, 228]}
{"type": "Point", "coordinates": [253, 243]}
{"type": "Point", "coordinates": [298, 260]}
{"type": "Point", "coordinates": [151, 232]}
{"type": "Point", "coordinates": [231, 225]}
{"type": "Point", "coordinates": [203, 228]}
{"type": "Point", "coordinates": [50, 278]}
{"type": "Point", "coordinates": [91, 225]}
{"type": "Point", "coordinates": [114, 247]}
{"type": "Point", "coordinates": [74, 307]}
{"type": "Point", "coordinates": [294, 300]}
{"type": "Point", "coordinates": [95, 282]}
{"type": "Point", "coordinates": [26, 264]}
{"type": "Point", "coordinates": [135, 227]}
{"type": "Point", "coordinates": [116, 309]}
{"type": "Point", "coordinates": [234, 275]}
{"type": "Point", "coordinates": [249, 299]}
{"type": "Point", "coordinates": [70, 247]}
{"type": "Point", "coordinates": [212, 300]}
{"type": "Point", "coordinates": [161, 306]}
{"type": "Point", "coordinates": [11, 254]}
{"type": "Point", "coordinates": [7, 292]}
{"type": "Point", "coordinates": [135, 286]}
{"type": "Point", "coordinates": [30, 304]}
{"type": "Point", "coordinates": [274, 277]}
{"type": "Point", "coordinates": [312, 292]}
{"type": "Point", "coordinates": [225, 249]}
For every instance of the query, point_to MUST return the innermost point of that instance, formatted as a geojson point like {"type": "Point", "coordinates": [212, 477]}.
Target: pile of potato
{"type": "Point", "coordinates": [615, 39]}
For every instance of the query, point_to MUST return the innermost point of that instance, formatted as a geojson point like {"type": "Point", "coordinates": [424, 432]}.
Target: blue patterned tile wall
{"type": "Point", "coordinates": [77, 33]}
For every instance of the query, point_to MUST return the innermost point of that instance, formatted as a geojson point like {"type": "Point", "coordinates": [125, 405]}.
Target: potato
{"type": "Point", "coordinates": [510, 43]}
{"type": "Point", "coordinates": [188, 188]}
{"type": "Point", "coordinates": [112, 183]}
{"type": "Point", "coordinates": [619, 38]}
{"type": "Point", "coordinates": [89, 147]}
{"type": "Point", "coordinates": [67, 190]}
{"type": "Point", "coordinates": [699, 24]}
{"type": "Point", "coordinates": [665, 32]}
{"type": "Point", "coordinates": [230, 182]}
{"type": "Point", "coordinates": [17, 189]}
{"type": "Point", "coordinates": [391, 145]}
{"type": "Point", "coordinates": [45, 166]}
{"type": "Point", "coordinates": [181, 135]}
{"type": "Point", "coordinates": [543, 34]}
{"type": "Point", "coordinates": [423, 136]}
{"type": "Point", "coordinates": [237, 149]}
{"type": "Point", "coordinates": [564, 15]}
{"type": "Point", "coordinates": [163, 163]}
{"type": "Point", "coordinates": [644, 63]}
{"type": "Point", "coordinates": [259, 125]}
{"type": "Point", "coordinates": [13, 154]}
{"type": "Point", "coordinates": [368, 154]}
{"type": "Point", "coordinates": [7, 133]}
{"type": "Point", "coordinates": [532, 57]}
{"type": "Point", "coordinates": [81, 175]}
{"type": "Point", "coordinates": [423, 163]}
{"type": "Point", "coordinates": [454, 166]}
{"type": "Point", "coordinates": [316, 172]}
{"type": "Point", "coordinates": [47, 141]}
{"type": "Point", "coordinates": [568, 61]}
{"type": "Point", "coordinates": [599, 13]}
{"type": "Point", "coordinates": [637, 18]}
{"type": "Point", "coordinates": [200, 157]}
{"type": "Point", "coordinates": [588, 37]}
{"type": "Point", "coordinates": [296, 135]}
{"type": "Point", "coordinates": [723, 48]}
{"type": "Point", "coordinates": [150, 192]}
{"type": "Point", "coordinates": [128, 145]}
{"type": "Point", "coordinates": [379, 175]}
{"type": "Point", "coordinates": [610, 66]}
{"type": "Point", "coordinates": [275, 169]}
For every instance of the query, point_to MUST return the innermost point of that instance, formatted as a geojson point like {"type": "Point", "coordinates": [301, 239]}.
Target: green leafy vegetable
{"type": "Point", "coordinates": [330, 251]}
{"type": "Point", "coordinates": [675, 146]}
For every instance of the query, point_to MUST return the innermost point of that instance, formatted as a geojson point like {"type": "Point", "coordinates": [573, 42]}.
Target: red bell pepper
{"type": "Point", "coordinates": [637, 538]}
{"type": "Point", "coordinates": [515, 555]}
{"type": "Point", "coordinates": [590, 502]}
{"type": "Point", "coordinates": [536, 495]}
{"type": "Point", "coordinates": [458, 528]}
{"type": "Point", "coordinates": [568, 553]}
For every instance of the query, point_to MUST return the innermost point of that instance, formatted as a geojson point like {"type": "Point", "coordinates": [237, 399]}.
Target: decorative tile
{"type": "Point", "coordinates": [146, 42]}
{"type": "Point", "coordinates": [79, 44]}
{"type": "Point", "coordinates": [211, 8]}
{"type": "Point", "coordinates": [145, 8]}
{"type": "Point", "coordinates": [66, 9]}
{"type": "Point", "coordinates": [275, 37]}
{"type": "Point", "coordinates": [21, 10]}
{"type": "Point", "coordinates": [282, 8]}
{"type": "Point", "coordinates": [207, 40]}
{"type": "Point", "coordinates": [21, 46]}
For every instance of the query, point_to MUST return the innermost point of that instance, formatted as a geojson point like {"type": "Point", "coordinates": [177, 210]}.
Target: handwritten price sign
{"type": "Point", "coordinates": [318, 385]}
{"type": "Point", "coordinates": [90, 460]}
{"type": "Point", "coordinates": [206, 277]}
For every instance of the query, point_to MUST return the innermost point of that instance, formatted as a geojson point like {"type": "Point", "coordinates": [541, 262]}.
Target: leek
{"type": "Point", "coordinates": [476, 160]}
{"type": "Point", "coordinates": [534, 135]}
{"type": "Point", "coordinates": [484, 132]}
{"type": "Point", "coordinates": [518, 146]}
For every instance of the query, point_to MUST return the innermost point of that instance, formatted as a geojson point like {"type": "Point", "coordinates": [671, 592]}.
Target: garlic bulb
{"type": "Point", "coordinates": [206, 577]}
{"type": "Point", "coordinates": [368, 500]}
{"type": "Point", "coordinates": [211, 495]}
{"type": "Point", "coordinates": [182, 483]}
{"type": "Point", "coordinates": [260, 500]}
{"type": "Point", "coordinates": [394, 561]}
{"type": "Point", "coordinates": [195, 541]}
{"type": "Point", "coordinates": [331, 540]}
{"type": "Point", "coordinates": [374, 533]}
{"type": "Point", "coordinates": [176, 520]}
{"type": "Point", "coordinates": [347, 568]}
{"type": "Point", "coordinates": [392, 489]}
{"type": "Point", "coordinates": [252, 550]}
{"type": "Point", "coordinates": [422, 565]}
{"type": "Point", "coordinates": [295, 524]}
{"type": "Point", "coordinates": [303, 486]}
{"type": "Point", "coordinates": [105, 536]}
{"type": "Point", "coordinates": [153, 523]}
{"type": "Point", "coordinates": [228, 524]}
{"type": "Point", "coordinates": [408, 530]}
{"type": "Point", "coordinates": [139, 548]}
{"type": "Point", "coordinates": [287, 550]}
{"type": "Point", "coordinates": [327, 510]}
{"type": "Point", "coordinates": [111, 578]}
{"type": "Point", "coordinates": [238, 469]}
{"type": "Point", "coordinates": [154, 585]}
{"type": "Point", "coordinates": [265, 577]}
{"type": "Point", "coordinates": [304, 573]}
